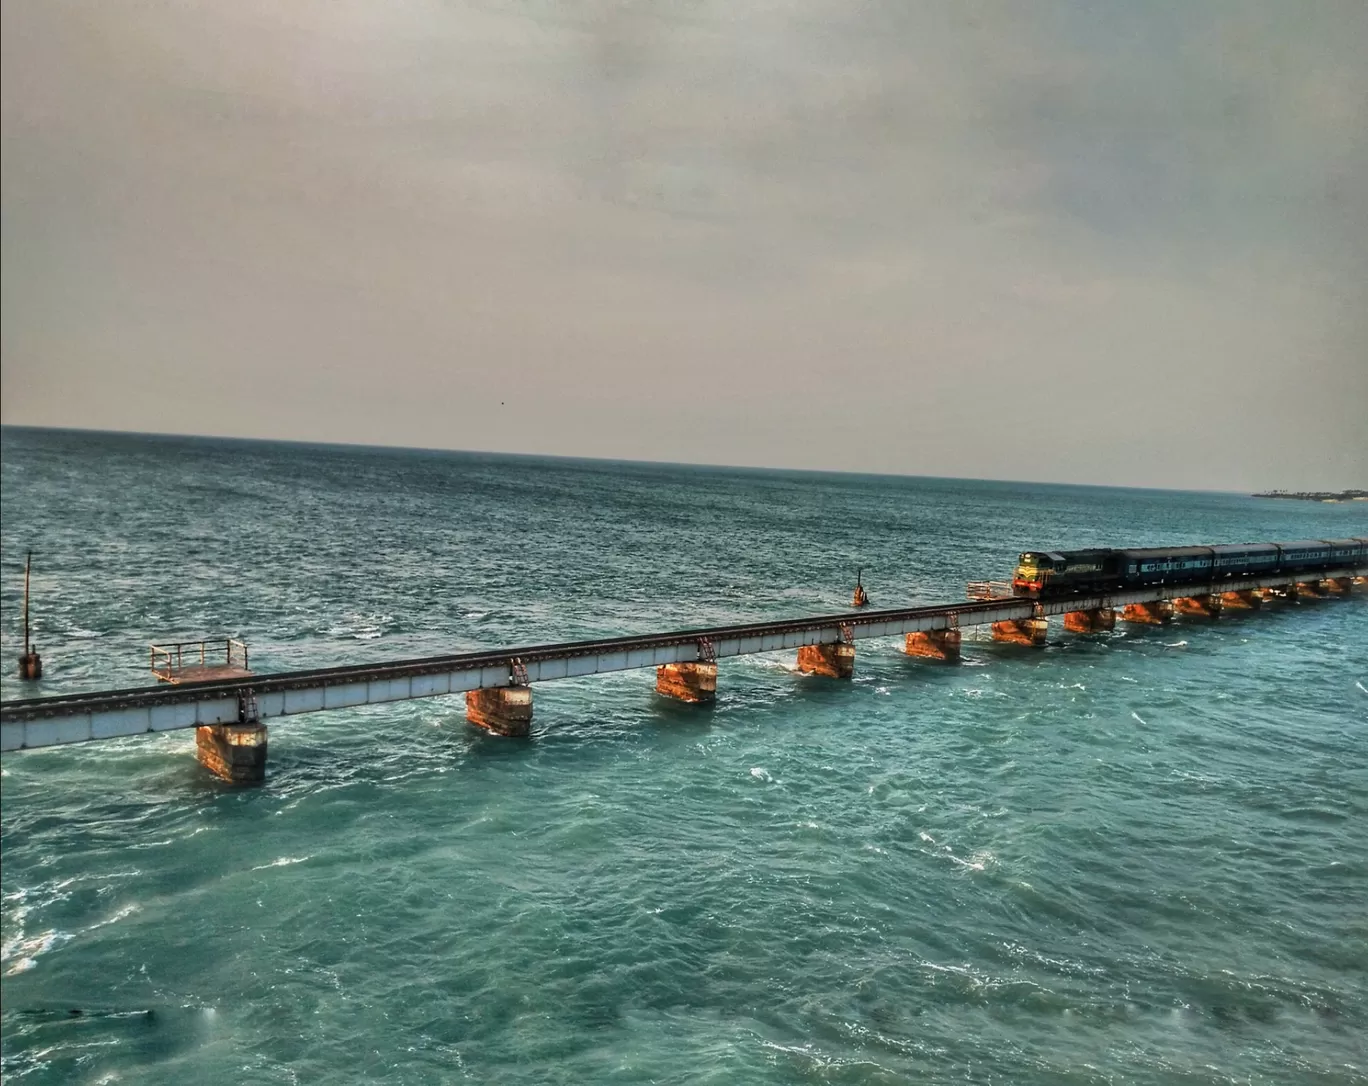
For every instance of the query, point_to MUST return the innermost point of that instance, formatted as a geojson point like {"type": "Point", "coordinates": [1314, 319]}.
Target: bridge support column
{"type": "Point", "coordinates": [1090, 621]}
{"type": "Point", "coordinates": [834, 661]}
{"type": "Point", "coordinates": [1307, 590]}
{"type": "Point", "coordinates": [1243, 599]}
{"type": "Point", "coordinates": [1154, 613]}
{"type": "Point", "coordinates": [1208, 606]}
{"type": "Point", "coordinates": [1022, 631]}
{"type": "Point", "coordinates": [934, 644]}
{"type": "Point", "coordinates": [696, 683]}
{"type": "Point", "coordinates": [1337, 586]}
{"type": "Point", "coordinates": [503, 710]}
{"type": "Point", "coordinates": [233, 752]}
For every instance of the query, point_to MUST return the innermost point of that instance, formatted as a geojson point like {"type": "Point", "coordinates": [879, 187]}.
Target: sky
{"type": "Point", "coordinates": [1100, 242]}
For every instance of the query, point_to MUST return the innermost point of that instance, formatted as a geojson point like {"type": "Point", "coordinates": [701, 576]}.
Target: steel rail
{"type": "Point", "coordinates": [72, 718]}
{"type": "Point", "coordinates": [161, 694]}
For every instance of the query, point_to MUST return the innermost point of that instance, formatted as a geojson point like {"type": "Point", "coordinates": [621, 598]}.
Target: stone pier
{"type": "Point", "coordinates": [1337, 586]}
{"type": "Point", "coordinates": [695, 683]}
{"type": "Point", "coordinates": [503, 710]}
{"type": "Point", "coordinates": [1244, 599]}
{"type": "Point", "coordinates": [834, 661]}
{"type": "Point", "coordinates": [1090, 621]}
{"type": "Point", "coordinates": [1308, 590]}
{"type": "Point", "coordinates": [1022, 631]}
{"type": "Point", "coordinates": [1154, 613]}
{"type": "Point", "coordinates": [1206, 606]}
{"type": "Point", "coordinates": [233, 752]}
{"type": "Point", "coordinates": [934, 644]}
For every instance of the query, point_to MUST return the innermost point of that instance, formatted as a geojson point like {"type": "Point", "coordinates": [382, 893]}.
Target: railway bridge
{"type": "Point", "coordinates": [230, 710]}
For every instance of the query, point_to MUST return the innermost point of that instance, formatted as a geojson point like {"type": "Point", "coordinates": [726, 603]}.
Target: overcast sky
{"type": "Point", "coordinates": [1093, 242]}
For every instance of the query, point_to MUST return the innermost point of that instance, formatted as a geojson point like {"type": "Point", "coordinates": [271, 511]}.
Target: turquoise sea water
{"type": "Point", "coordinates": [1136, 857]}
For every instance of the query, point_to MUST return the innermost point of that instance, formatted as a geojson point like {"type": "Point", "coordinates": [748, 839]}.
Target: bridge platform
{"type": "Point", "coordinates": [200, 661]}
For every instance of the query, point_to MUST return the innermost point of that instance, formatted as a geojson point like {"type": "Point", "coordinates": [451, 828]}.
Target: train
{"type": "Point", "coordinates": [1042, 574]}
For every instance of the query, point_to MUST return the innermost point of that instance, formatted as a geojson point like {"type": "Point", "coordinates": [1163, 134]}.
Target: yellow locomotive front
{"type": "Point", "coordinates": [1032, 573]}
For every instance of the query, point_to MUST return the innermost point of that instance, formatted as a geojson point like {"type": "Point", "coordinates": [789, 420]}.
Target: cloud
{"type": "Point", "coordinates": [1094, 242]}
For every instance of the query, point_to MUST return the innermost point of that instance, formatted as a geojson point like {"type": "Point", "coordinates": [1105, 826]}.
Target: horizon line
{"type": "Point", "coordinates": [362, 445]}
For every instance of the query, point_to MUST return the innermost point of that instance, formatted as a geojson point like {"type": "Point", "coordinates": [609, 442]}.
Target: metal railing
{"type": "Point", "coordinates": [989, 590]}
{"type": "Point", "coordinates": [170, 661]}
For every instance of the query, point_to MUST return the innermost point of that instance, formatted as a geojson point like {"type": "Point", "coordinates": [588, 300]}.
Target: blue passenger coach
{"type": "Point", "coordinates": [1051, 573]}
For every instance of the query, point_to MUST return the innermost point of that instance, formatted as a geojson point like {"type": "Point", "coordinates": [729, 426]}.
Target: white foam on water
{"type": "Point", "coordinates": [1137, 716]}
{"type": "Point", "coordinates": [1361, 686]}
{"type": "Point", "coordinates": [283, 861]}
{"type": "Point", "coordinates": [120, 914]}
{"type": "Point", "coordinates": [1176, 645]}
{"type": "Point", "coordinates": [25, 951]}
{"type": "Point", "coordinates": [760, 774]}
{"type": "Point", "coordinates": [976, 862]}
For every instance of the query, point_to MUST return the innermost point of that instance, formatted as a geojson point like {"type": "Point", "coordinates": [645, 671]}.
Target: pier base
{"type": "Point", "coordinates": [1154, 613]}
{"type": "Point", "coordinates": [1090, 621]}
{"type": "Point", "coordinates": [1337, 586]}
{"type": "Point", "coordinates": [934, 644]}
{"type": "Point", "coordinates": [233, 752]}
{"type": "Point", "coordinates": [503, 710]}
{"type": "Point", "coordinates": [1308, 590]}
{"type": "Point", "coordinates": [695, 683]}
{"type": "Point", "coordinates": [834, 661]}
{"type": "Point", "coordinates": [30, 667]}
{"type": "Point", "coordinates": [1244, 599]}
{"type": "Point", "coordinates": [1206, 606]}
{"type": "Point", "coordinates": [1022, 631]}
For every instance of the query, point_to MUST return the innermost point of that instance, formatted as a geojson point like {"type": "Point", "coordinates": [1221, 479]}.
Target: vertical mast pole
{"type": "Point", "coordinates": [28, 565]}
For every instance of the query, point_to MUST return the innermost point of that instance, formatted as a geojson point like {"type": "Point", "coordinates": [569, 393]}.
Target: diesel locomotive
{"type": "Point", "coordinates": [1042, 574]}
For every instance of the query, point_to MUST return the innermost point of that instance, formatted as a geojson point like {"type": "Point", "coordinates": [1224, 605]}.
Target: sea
{"type": "Point", "coordinates": [1134, 857]}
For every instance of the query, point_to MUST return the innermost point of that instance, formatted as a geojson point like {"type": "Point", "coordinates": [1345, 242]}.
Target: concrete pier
{"type": "Point", "coordinates": [1308, 590]}
{"type": "Point", "coordinates": [503, 710]}
{"type": "Point", "coordinates": [695, 683]}
{"type": "Point", "coordinates": [1153, 613]}
{"type": "Point", "coordinates": [934, 644]}
{"type": "Point", "coordinates": [1022, 631]}
{"type": "Point", "coordinates": [233, 752]}
{"type": "Point", "coordinates": [1337, 586]}
{"type": "Point", "coordinates": [1097, 621]}
{"type": "Point", "coordinates": [1205, 606]}
{"type": "Point", "coordinates": [834, 661]}
{"type": "Point", "coordinates": [1242, 600]}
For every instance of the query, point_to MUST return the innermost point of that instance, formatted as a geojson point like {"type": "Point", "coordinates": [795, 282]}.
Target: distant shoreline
{"type": "Point", "coordinates": [1318, 495]}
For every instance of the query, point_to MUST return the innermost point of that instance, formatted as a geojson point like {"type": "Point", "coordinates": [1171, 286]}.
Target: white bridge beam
{"type": "Point", "coordinates": [78, 719]}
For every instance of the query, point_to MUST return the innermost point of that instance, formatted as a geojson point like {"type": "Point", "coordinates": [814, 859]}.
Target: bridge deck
{"type": "Point", "coordinates": [75, 718]}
